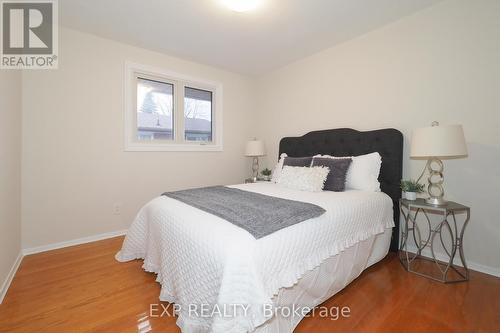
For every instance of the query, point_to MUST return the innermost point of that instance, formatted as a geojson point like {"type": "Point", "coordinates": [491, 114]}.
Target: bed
{"type": "Point", "coordinates": [224, 280]}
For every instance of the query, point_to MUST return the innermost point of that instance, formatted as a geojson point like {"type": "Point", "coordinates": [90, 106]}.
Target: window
{"type": "Point", "coordinates": [155, 105]}
{"type": "Point", "coordinates": [171, 112]}
{"type": "Point", "coordinates": [197, 114]}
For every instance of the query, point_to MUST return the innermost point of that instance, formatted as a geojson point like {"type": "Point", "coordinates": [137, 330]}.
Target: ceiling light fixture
{"type": "Point", "coordinates": [241, 5]}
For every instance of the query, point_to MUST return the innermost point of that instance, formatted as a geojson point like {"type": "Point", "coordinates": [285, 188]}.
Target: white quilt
{"type": "Point", "coordinates": [203, 259]}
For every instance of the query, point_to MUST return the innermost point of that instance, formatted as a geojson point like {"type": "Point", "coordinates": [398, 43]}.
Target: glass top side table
{"type": "Point", "coordinates": [411, 209]}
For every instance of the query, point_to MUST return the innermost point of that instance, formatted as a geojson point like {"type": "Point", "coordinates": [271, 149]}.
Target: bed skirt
{"type": "Point", "coordinates": [326, 280]}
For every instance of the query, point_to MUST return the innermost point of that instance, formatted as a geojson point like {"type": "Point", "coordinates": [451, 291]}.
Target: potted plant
{"type": "Point", "coordinates": [266, 174]}
{"type": "Point", "coordinates": [410, 189]}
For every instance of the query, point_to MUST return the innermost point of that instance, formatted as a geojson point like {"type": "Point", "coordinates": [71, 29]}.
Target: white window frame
{"type": "Point", "coordinates": [132, 71]}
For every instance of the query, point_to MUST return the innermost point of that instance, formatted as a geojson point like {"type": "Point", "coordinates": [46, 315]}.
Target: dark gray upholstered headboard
{"type": "Point", "coordinates": [349, 142]}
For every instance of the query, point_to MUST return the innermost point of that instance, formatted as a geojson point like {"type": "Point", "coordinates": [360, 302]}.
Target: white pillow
{"type": "Point", "coordinates": [310, 179]}
{"type": "Point", "coordinates": [277, 169]}
{"type": "Point", "coordinates": [363, 172]}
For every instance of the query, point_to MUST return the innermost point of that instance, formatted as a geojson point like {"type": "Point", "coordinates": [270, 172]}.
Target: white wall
{"type": "Point", "coordinates": [10, 171]}
{"type": "Point", "coordinates": [74, 166]}
{"type": "Point", "coordinates": [439, 64]}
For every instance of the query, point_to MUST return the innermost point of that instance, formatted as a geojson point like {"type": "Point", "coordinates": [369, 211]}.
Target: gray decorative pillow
{"type": "Point", "coordinates": [338, 172]}
{"type": "Point", "coordinates": [298, 161]}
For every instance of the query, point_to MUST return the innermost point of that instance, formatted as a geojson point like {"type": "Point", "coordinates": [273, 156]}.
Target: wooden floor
{"type": "Point", "coordinates": [83, 289]}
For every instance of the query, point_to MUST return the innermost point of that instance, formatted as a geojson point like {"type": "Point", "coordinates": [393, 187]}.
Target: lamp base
{"type": "Point", "coordinates": [435, 182]}
{"type": "Point", "coordinates": [436, 201]}
{"type": "Point", "coordinates": [255, 168]}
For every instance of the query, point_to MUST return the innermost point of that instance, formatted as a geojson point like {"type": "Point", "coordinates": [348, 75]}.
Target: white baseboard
{"type": "Point", "coordinates": [10, 276]}
{"type": "Point", "coordinates": [472, 265]}
{"type": "Point", "coordinates": [78, 241]}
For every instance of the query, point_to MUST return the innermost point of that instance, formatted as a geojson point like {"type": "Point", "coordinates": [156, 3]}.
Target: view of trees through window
{"type": "Point", "coordinates": [197, 114]}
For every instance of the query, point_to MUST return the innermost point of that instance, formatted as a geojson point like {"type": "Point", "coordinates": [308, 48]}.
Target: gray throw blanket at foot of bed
{"type": "Point", "coordinates": [258, 214]}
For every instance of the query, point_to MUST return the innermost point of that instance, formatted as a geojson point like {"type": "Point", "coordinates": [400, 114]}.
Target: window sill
{"type": "Point", "coordinates": [144, 147]}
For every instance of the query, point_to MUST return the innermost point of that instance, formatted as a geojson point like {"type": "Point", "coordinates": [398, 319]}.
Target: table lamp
{"type": "Point", "coordinates": [255, 148]}
{"type": "Point", "coordinates": [436, 142]}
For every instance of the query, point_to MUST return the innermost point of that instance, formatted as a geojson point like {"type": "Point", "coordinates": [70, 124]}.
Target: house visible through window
{"type": "Point", "coordinates": [171, 112]}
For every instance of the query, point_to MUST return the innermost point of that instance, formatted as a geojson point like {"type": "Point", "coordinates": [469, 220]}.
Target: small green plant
{"type": "Point", "coordinates": [266, 172]}
{"type": "Point", "coordinates": [412, 186]}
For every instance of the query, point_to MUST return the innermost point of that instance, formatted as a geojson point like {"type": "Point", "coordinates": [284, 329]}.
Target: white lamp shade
{"type": "Point", "coordinates": [438, 141]}
{"type": "Point", "coordinates": [255, 148]}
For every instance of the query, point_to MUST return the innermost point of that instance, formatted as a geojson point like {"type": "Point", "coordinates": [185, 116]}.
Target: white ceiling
{"type": "Point", "coordinates": [279, 32]}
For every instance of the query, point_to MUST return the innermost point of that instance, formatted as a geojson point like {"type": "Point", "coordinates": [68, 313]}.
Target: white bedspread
{"type": "Point", "coordinates": [203, 259]}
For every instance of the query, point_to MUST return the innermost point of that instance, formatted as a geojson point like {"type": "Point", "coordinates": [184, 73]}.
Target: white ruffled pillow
{"type": "Point", "coordinates": [277, 169]}
{"type": "Point", "coordinates": [363, 172]}
{"type": "Point", "coordinates": [310, 179]}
